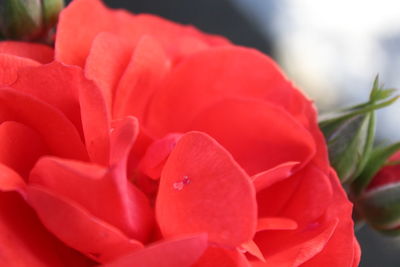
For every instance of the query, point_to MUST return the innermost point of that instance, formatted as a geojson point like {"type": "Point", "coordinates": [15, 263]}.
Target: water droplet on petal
{"type": "Point", "coordinates": [178, 186]}
{"type": "Point", "coordinates": [112, 130]}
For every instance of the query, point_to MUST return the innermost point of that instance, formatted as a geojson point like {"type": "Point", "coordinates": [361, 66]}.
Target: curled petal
{"type": "Point", "coordinates": [57, 132]}
{"type": "Point", "coordinates": [106, 62]}
{"type": "Point", "coordinates": [78, 228]}
{"type": "Point", "coordinates": [112, 198]}
{"type": "Point", "coordinates": [157, 153]}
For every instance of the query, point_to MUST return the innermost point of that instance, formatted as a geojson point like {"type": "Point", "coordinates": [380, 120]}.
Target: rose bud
{"type": "Point", "coordinates": [28, 20]}
{"type": "Point", "coordinates": [379, 203]}
{"type": "Point", "coordinates": [350, 133]}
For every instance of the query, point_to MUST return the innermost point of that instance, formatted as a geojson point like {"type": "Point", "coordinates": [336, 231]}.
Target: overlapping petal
{"type": "Point", "coordinates": [202, 189]}
{"type": "Point", "coordinates": [181, 252]}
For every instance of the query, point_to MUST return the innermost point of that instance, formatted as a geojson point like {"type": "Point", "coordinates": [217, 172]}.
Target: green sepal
{"type": "Point", "coordinates": [350, 133]}
{"type": "Point", "coordinates": [381, 207]}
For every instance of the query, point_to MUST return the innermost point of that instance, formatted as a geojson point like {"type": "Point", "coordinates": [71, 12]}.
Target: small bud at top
{"type": "Point", "coordinates": [28, 20]}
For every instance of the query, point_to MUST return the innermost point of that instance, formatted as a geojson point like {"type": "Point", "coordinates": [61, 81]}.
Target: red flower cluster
{"type": "Point", "coordinates": [135, 130]}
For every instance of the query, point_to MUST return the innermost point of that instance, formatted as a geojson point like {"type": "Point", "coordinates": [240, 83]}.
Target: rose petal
{"type": "Point", "coordinates": [10, 180]}
{"type": "Point", "coordinates": [268, 135]}
{"type": "Point", "coordinates": [57, 85]}
{"type": "Point", "coordinates": [296, 196]}
{"type": "Point", "coordinates": [313, 195]}
{"type": "Point", "coordinates": [157, 153]}
{"type": "Point", "coordinates": [123, 135]}
{"type": "Point", "coordinates": [293, 248]}
{"type": "Point", "coordinates": [305, 112]}
{"type": "Point", "coordinates": [96, 123]}
{"type": "Point", "coordinates": [271, 176]}
{"type": "Point", "coordinates": [9, 66]}
{"type": "Point", "coordinates": [106, 62]}
{"type": "Point", "coordinates": [20, 147]}
{"type": "Point", "coordinates": [357, 253]}
{"type": "Point", "coordinates": [179, 41]}
{"type": "Point", "coordinates": [200, 189]}
{"type": "Point", "coordinates": [252, 248]}
{"type": "Point", "coordinates": [212, 75]}
{"type": "Point", "coordinates": [37, 52]}
{"type": "Point", "coordinates": [25, 242]}
{"type": "Point", "coordinates": [178, 252]}
{"type": "Point", "coordinates": [276, 223]}
{"type": "Point", "coordinates": [147, 67]}
{"type": "Point", "coordinates": [58, 133]}
{"type": "Point", "coordinates": [112, 199]}
{"type": "Point", "coordinates": [78, 228]}
{"type": "Point", "coordinates": [222, 257]}
{"type": "Point", "coordinates": [73, 41]}
{"type": "Point", "coordinates": [342, 249]}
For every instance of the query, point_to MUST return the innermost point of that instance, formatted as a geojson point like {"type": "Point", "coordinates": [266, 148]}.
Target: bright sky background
{"type": "Point", "coordinates": [334, 49]}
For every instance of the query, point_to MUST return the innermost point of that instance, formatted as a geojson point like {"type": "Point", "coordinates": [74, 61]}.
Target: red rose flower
{"type": "Point", "coordinates": [145, 131]}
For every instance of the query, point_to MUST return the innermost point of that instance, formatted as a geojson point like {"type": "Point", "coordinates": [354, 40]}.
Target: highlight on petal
{"type": "Point", "coordinates": [182, 252]}
{"type": "Point", "coordinates": [106, 62]}
{"type": "Point", "coordinates": [212, 75]}
{"type": "Point", "coordinates": [79, 229]}
{"type": "Point", "coordinates": [58, 133]}
{"type": "Point", "coordinates": [146, 69]}
{"type": "Point", "coordinates": [112, 198]}
{"type": "Point", "coordinates": [202, 189]}
{"type": "Point", "coordinates": [259, 135]}
{"type": "Point", "coordinates": [37, 52]}
{"type": "Point", "coordinates": [96, 123]}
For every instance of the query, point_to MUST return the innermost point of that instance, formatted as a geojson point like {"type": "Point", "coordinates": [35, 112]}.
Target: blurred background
{"type": "Point", "coordinates": [331, 49]}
